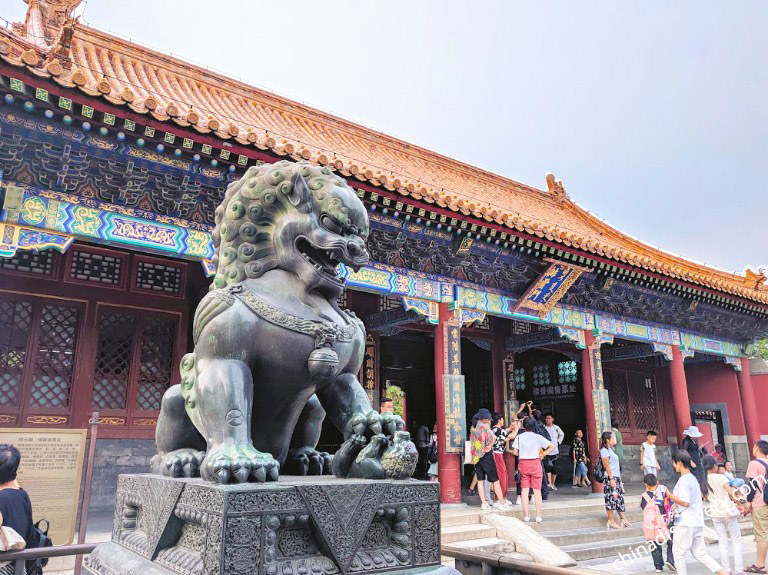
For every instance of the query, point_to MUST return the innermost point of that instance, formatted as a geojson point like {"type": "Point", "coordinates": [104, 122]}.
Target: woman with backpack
{"type": "Point", "coordinates": [722, 507]}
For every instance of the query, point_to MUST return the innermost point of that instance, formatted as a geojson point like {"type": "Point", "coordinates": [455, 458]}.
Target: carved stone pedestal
{"type": "Point", "coordinates": [297, 526]}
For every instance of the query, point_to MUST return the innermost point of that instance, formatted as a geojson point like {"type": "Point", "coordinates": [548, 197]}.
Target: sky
{"type": "Point", "coordinates": [653, 114]}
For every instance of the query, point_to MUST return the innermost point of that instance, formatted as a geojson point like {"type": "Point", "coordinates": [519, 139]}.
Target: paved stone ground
{"type": "Point", "coordinates": [644, 565]}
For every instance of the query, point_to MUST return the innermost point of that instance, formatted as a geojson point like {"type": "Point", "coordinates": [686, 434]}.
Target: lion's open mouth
{"type": "Point", "coordinates": [322, 260]}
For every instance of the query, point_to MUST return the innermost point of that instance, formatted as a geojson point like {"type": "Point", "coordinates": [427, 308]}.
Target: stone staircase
{"type": "Point", "coordinates": [576, 527]}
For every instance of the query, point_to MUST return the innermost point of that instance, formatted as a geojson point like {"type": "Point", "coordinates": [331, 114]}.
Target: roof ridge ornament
{"type": "Point", "coordinates": [756, 279]}
{"type": "Point", "coordinates": [46, 22]}
{"type": "Point", "coordinates": [556, 188]}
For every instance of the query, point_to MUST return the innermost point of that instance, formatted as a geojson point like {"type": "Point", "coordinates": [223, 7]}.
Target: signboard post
{"type": "Point", "coordinates": [455, 410]}
{"type": "Point", "coordinates": [50, 472]}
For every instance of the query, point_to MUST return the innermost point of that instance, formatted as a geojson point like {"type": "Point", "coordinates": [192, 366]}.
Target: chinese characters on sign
{"type": "Point", "coordinates": [368, 370]}
{"type": "Point", "coordinates": [455, 409]}
{"type": "Point", "coordinates": [50, 471]}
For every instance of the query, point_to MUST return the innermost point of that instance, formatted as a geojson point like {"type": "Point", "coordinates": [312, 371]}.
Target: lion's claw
{"type": "Point", "coordinates": [179, 463]}
{"type": "Point", "coordinates": [308, 461]}
{"type": "Point", "coordinates": [238, 464]}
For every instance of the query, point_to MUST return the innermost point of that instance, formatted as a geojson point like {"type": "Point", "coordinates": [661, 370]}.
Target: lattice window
{"type": "Point", "coordinates": [15, 323]}
{"type": "Point", "coordinates": [390, 302]}
{"type": "Point", "coordinates": [158, 277]}
{"type": "Point", "coordinates": [519, 376]}
{"type": "Point", "coordinates": [96, 267]}
{"type": "Point", "coordinates": [113, 360]}
{"type": "Point", "coordinates": [156, 367]}
{"type": "Point", "coordinates": [30, 261]}
{"type": "Point", "coordinates": [566, 372]}
{"type": "Point", "coordinates": [520, 327]}
{"type": "Point", "coordinates": [541, 375]}
{"type": "Point", "coordinates": [55, 359]}
{"type": "Point", "coordinates": [485, 324]}
{"type": "Point", "coordinates": [643, 391]}
{"type": "Point", "coordinates": [616, 384]}
{"type": "Point", "coordinates": [342, 299]}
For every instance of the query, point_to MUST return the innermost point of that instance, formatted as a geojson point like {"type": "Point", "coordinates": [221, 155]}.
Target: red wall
{"type": "Point", "coordinates": [716, 383]}
{"type": "Point", "coordinates": [760, 383]}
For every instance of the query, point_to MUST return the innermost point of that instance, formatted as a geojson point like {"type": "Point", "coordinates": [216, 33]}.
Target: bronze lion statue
{"type": "Point", "coordinates": [273, 351]}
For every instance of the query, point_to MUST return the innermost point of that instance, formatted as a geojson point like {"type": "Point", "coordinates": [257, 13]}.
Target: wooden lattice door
{"type": "Point", "coordinates": [38, 359]}
{"type": "Point", "coordinates": [134, 364]}
{"type": "Point", "coordinates": [633, 401]}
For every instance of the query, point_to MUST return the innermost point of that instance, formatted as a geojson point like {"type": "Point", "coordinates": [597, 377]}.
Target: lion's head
{"type": "Point", "coordinates": [292, 216]}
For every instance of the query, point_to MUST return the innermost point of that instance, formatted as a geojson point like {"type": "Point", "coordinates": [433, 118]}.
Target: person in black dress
{"type": "Point", "coordinates": [691, 445]}
{"type": "Point", "coordinates": [15, 506]}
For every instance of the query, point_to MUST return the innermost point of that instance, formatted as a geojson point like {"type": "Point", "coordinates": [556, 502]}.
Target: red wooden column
{"type": "Point", "coordinates": [748, 405]}
{"type": "Point", "coordinates": [448, 464]}
{"type": "Point", "coordinates": [682, 405]}
{"type": "Point", "coordinates": [587, 378]}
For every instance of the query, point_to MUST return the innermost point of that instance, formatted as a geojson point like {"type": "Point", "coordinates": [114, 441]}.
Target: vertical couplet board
{"type": "Point", "coordinates": [599, 393]}
{"type": "Point", "coordinates": [510, 393]}
{"type": "Point", "coordinates": [455, 413]}
{"type": "Point", "coordinates": [51, 472]}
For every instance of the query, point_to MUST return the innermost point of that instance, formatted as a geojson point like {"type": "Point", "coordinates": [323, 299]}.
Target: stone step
{"type": "Point", "coordinates": [565, 537]}
{"type": "Point", "coordinates": [465, 532]}
{"type": "Point", "coordinates": [575, 521]}
{"type": "Point", "coordinates": [599, 549]}
{"type": "Point", "coordinates": [460, 517]}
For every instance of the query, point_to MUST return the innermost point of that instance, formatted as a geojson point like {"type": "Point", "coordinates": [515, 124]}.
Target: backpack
{"type": "Point", "coordinates": [763, 489]}
{"type": "Point", "coordinates": [40, 538]}
{"type": "Point", "coordinates": [654, 527]}
{"type": "Point", "coordinates": [432, 452]}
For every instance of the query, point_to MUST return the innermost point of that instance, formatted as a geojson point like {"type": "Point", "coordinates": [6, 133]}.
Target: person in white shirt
{"type": "Point", "coordinates": [556, 435]}
{"type": "Point", "coordinates": [689, 524]}
{"type": "Point", "coordinates": [724, 511]}
{"type": "Point", "coordinates": [530, 448]}
{"type": "Point", "coordinates": [648, 460]}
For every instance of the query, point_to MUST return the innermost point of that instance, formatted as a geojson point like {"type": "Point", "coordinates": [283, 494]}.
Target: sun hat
{"type": "Point", "coordinates": [693, 431]}
{"type": "Point", "coordinates": [483, 413]}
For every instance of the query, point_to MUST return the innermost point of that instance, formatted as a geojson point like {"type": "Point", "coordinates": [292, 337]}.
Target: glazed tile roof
{"type": "Point", "coordinates": [168, 89]}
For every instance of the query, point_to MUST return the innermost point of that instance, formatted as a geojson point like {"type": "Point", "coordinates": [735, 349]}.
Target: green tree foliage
{"type": "Point", "coordinates": [761, 348]}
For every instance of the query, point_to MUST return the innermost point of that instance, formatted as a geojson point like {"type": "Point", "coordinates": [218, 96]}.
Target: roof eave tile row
{"type": "Point", "coordinates": [17, 52]}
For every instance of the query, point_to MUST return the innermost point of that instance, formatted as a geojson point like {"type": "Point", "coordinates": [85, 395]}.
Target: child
{"type": "Point", "coordinates": [689, 524]}
{"type": "Point", "coordinates": [579, 452]}
{"type": "Point", "coordinates": [733, 481]}
{"type": "Point", "coordinates": [723, 510]}
{"type": "Point", "coordinates": [655, 506]}
{"type": "Point", "coordinates": [648, 460]}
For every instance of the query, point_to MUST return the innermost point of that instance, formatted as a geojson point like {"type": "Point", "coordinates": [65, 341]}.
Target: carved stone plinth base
{"type": "Point", "coordinates": [297, 526]}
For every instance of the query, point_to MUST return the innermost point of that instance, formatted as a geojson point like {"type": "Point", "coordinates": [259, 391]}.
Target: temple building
{"type": "Point", "coordinates": [481, 292]}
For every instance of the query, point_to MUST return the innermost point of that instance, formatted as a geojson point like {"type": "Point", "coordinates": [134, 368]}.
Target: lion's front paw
{"type": "Point", "coordinates": [179, 463]}
{"type": "Point", "coordinates": [308, 461]}
{"type": "Point", "coordinates": [238, 464]}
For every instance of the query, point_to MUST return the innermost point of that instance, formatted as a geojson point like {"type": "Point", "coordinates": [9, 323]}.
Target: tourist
{"type": "Point", "coordinates": [580, 460]}
{"type": "Point", "coordinates": [386, 405]}
{"type": "Point", "coordinates": [556, 435]}
{"type": "Point", "coordinates": [719, 454]}
{"type": "Point", "coordinates": [485, 465]}
{"type": "Point", "coordinates": [691, 445]}
{"type": "Point", "coordinates": [15, 506]}
{"type": "Point", "coordinates": [619, 447]}
{"type": "Point", "coordinates": [613, 490]}
{"type": "Point", "coordinates": [654, 504]}
{"type": "Point", "coordinates": [725, 514]}
{"type": "Point", "coordinates": [422, 446]}
{"type": "Point", "coordinates": [531, 448]}
{"type": "Point", "coordinates": [648, 461]}
{"type": "Point", "coordinates": [432, 455]}
{"type": "Point", "coordinates": [503, 437]}
{"type": "Point", "coordinates": [689, 523]}
{"type": "Point", "coordinates": [546, 464]}
{"type": "Point", "coordinates": [757, 478]}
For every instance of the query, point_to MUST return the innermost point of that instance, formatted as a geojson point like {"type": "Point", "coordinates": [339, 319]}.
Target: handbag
{"type": "Point", "coordinates": [40, 538]}
{"type": "Point", "coordinates": [599, 472]}
{"type": "Point", "coordinates": [10, 540]}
